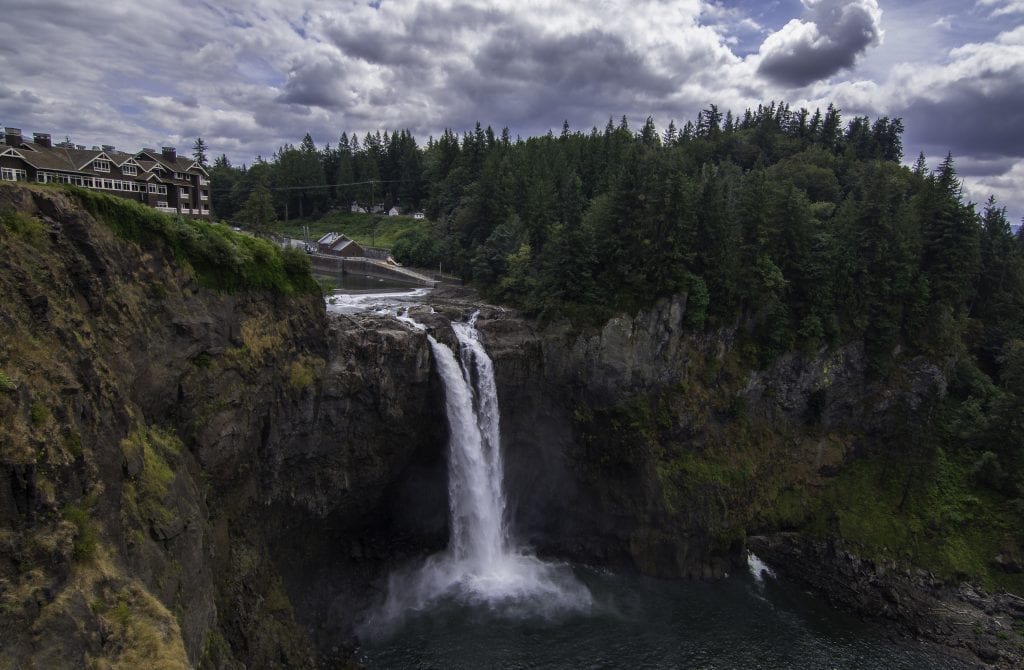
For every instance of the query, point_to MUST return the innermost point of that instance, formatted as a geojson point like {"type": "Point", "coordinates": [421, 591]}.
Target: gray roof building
{"type": "Point", "coordinates": [163, 180]}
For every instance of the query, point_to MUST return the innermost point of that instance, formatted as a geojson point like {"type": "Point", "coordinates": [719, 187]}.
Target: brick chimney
{"type": "Point", "coordinates": [12, 136]}
{"type": "Point", "coordinates": [170, 153]}
{"type": "Point", "coordinates": [42, 139]}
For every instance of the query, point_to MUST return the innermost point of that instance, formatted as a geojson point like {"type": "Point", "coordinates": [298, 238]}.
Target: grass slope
{"type": "Point", "coordinates": [221, 258]}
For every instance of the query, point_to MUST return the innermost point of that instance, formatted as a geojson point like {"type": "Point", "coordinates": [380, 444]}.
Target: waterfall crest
{"type": "Point", "coordinates": [482, 564]}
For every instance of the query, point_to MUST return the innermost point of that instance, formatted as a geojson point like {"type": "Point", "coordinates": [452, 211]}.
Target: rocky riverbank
{"type": "Point", "coordinates": [978, 627]}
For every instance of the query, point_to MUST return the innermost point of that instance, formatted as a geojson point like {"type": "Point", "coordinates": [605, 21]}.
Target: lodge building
{"type": "Point", "coordinates": [163, 180]}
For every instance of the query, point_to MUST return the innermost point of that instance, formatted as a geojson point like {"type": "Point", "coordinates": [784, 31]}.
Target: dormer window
{"type": "Point", "coordinates": [129, 170]}
{"type": "Point", "coordinates": [101, 166]}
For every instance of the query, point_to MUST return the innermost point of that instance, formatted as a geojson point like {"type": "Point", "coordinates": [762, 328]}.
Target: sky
{"type": "Point", "coordinates": [251, 75]}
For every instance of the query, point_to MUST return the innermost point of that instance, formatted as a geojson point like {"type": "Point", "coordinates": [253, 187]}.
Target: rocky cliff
{"type": "Point", "coordinates": [167, 450]}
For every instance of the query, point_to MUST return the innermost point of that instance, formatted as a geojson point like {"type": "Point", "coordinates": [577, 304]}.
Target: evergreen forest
{"type": "Point", "coordinates": [794, 229]}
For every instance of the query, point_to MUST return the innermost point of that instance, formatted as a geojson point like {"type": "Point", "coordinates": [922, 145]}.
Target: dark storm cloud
{"type": "Point", "coordinates": [834, 34]}
{"type": "Point", "coordinates": [429, 32]}
{"type": "Point", "coordinates": [432, 66]}
{"type": "Point", "coordinates": [520, 76]}
{"type": "Point", "coordinates": [974, 104]}
{"type": "Point", "coordinates": [969, 120]}
{"type": "Point", "coordinates": [315, 82]}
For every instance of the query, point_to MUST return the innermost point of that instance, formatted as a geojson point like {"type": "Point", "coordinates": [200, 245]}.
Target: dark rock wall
{"type": "Point", "coordinates": [642, 445]}
{"type": "Point", "coordinates": [185, 466]}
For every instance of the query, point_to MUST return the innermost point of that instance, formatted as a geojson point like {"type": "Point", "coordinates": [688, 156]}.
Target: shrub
{"type": "Point", "coordinates": [304, 372]}
{"type": "Point", "coordinates": [39, 413]}
{"type": "Point", "coordinates": [86, 538]}
{"type": "Point", "coordinates": [24, 226]}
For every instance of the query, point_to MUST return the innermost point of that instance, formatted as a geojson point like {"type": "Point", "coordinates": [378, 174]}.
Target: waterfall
{"type": "Point", "coordinates": [475, 492]}
{"type": "Point", "coordinates": [482, 564]}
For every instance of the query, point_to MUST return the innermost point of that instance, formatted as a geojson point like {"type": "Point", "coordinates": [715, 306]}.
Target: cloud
{"type": "Point", "coordinates": [834, 33]}
{"type": "Point", "coordinates": [1003, 7]}
{"type": "Point", "coordinates": [252, 75]}
{"type": "Point", "coordinates": [972, 104]}
{"type": "Point", "coordinates": [1005, 186]}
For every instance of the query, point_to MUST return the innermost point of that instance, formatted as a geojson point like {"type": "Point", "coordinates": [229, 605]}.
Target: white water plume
{"type": "Point", "coordinates": [481, 564]}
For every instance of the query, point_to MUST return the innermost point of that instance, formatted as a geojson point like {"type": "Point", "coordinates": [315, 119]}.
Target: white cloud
{"type": "Point", "coordinates": [1006, 187]}
{"type": "Point", "coordinates": [1003, 7]}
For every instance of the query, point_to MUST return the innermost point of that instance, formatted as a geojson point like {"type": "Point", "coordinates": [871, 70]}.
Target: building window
{"type": "Point", "coordinates": [101, 166]}
{"type": "Point", "coordinates": [161, 203]}
{"type": "Point", "coordinates": [159, 189]}
{"type": "Point", "coordinates": [129, 170]}
{"type": "Point", "coordinates": [183, 192]}
{"type": "Point", "coordinates": [14, 174]}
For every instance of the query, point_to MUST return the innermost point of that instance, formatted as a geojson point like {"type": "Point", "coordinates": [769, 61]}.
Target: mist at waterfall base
{"type": "Point", "coordinates": [484, 602]}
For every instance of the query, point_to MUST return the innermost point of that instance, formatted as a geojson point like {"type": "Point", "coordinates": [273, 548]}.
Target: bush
{"type": "Point", "coordinates": [24, 226]}
{"type": "Point", "coordinates": [86, 538]}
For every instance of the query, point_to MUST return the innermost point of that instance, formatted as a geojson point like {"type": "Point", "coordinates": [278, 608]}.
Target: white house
{"type": "Point", "coordinates": [419, 215]}
{"type": "Point", "coordinates": [393, 211]}
{"type": "Point", "coordinates": [356, 209]}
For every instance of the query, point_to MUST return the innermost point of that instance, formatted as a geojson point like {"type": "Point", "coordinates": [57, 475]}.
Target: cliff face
{"type": "Point", "coordinates": [660, 450]}
{"type": "Point", "coordinates": [164, 448]}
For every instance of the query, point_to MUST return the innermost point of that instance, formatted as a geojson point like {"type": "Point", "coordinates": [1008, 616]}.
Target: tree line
{"type": "Point", "coordinates": [796, 229]}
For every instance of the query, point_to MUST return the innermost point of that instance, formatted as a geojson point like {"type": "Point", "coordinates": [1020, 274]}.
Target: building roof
{"type": "Point", "coordinates": [80, 160]}
{"type": "Point", "coordinates": [330, 238]}
{"type": "Point", "coordinates": [337, 242]}
{"type": "Point", "coordinates": [341, 245]}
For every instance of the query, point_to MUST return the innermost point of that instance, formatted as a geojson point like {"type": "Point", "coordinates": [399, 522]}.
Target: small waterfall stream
{"type": "Point", "coordinates": [482, 564]}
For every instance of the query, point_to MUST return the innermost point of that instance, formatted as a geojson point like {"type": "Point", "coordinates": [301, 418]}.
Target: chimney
{"type": "Point", "coordinates": [42, 139]}
{"type": "Point", "coordinates": [170, 153]}
{"type": "Point", "coordinates": [12, 136]}
{"type": "Point", "coordinates": [108, 147]}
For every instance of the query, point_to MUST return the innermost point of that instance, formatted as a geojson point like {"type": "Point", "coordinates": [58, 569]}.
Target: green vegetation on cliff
{"type": "Point", "coordinates": [221, 258]}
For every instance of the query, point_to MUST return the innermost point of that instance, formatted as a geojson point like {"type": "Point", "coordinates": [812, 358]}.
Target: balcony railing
{"type": "Point", "coordinates": [166, 210]}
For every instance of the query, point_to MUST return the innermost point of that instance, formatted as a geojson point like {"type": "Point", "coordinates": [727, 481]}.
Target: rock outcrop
{"type": "Point", "coordinates": [974, 624]}
{"type": "Point", "coordinates": [179, 466]}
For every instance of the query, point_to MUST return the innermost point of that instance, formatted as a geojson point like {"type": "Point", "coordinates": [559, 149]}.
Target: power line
{"type": "Point", "coordinates": [354, 183]}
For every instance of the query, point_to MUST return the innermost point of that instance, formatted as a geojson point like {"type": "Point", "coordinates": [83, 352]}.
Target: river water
{"type": "Point", "coordinates": [638, 622]}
